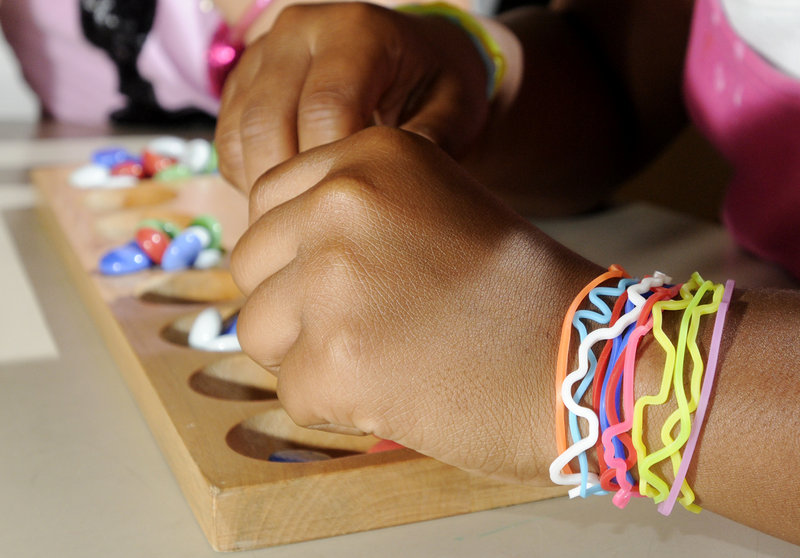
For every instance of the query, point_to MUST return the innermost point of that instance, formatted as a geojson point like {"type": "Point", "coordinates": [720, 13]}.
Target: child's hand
{"type": "Point", "coordinates": [326, 71]}
{"type": "Point", "coordinates": [392, 294]}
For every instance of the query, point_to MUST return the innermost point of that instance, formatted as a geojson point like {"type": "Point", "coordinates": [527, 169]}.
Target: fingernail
{"type": "Point", "coordinates": [337, 429]}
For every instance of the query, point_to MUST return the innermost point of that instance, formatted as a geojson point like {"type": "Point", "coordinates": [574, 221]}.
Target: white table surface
{"type": "Point", "coordinates": [81, 475]}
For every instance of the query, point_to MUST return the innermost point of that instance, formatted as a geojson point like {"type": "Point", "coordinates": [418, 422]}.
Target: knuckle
{"type": "Point", "coordinates": [259, 199]}
{"type": "Point", "coordinates": [359, 12]}
{"type": "Point", "coordinates": [299, 394]}
{"type": "Point", "coordinates": [238, 269]}
{"type": "Point", "coordinates": [342, 198]}
{"type": "Point", "coordinates": [256, 121]}
{"type": "Point", "coordinates": [334, 280]}
{"type": "Point", "coordinates": [226, 141]}
{"type": "Point", "coordinates": [289, 17]}
{"type": "Point", "coordinates": [328, 104]}
{"type": "Point", "coordinates": [387, 140]}
{"type": "Point", "coordinates": [230, 165]}
{"type": "Point", "coordinates": [293, 400]}
{"type": "Point", "coordinates": [316, 386]}
{"type": "Point", "coordinates": [245, 331]}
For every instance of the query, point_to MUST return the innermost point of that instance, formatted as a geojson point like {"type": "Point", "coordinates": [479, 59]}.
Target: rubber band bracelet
{"type": "Point", "coordinates": [601, 371]}
{"type": "Point", "coordinates": [556, 476]}
{"type": "Point", "coordinates": [614, 271]}
{"type": "Point", "coordinates": [671, 448]}
{"type": "Point", "coordinates": [490, 51]}
{"type": "Point", "coordinates": [602, 316]}
{"type": "Point", "coordinates": [617, 466]}
{"type": "Point", "coordinates": [227, 46]}
{"type": "Point", "coordinates": [609, 410]}
{"type": "Point", "coordinates": [646, 477]}
{"type": "Point", "coordinates": [685, 408]}
{"type": "Point", "coordinates": [666, 506]}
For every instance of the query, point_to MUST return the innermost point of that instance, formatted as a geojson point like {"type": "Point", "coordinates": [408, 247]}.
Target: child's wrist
{"type": "Point", "coordinates": [487, 46]}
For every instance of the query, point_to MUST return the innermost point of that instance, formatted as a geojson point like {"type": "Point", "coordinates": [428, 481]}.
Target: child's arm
{"type": "Point", "coordinates": [392, 294]}
{"type": "Point", "coordinates": [600, 95]}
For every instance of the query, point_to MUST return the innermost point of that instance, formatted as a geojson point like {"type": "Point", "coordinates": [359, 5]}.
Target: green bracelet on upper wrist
{"type": "Point", "coordinates": [488, 48]}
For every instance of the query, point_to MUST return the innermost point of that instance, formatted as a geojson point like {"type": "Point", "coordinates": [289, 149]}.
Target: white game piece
{"type": "Point", "coordinates": [90, 176]}
{"type": "Point", "coordinates": [206, 327]}
{"type": "Point", "coordinates": [121, 181]}
{"type": "Point", "coordinates": [208, 258]}
{"type": "Point", "coordinates": [168, 146]}
{"type": "Point", "coordinates": [197, 155]}
{"type": "Point", "coordinates": [223, 343]}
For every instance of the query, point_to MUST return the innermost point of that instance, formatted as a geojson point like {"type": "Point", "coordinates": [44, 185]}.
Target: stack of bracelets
{"type": "Point", "coordinates": [615, 420]}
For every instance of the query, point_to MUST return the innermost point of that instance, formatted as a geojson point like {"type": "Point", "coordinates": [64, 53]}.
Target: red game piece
{"type": "Point", "coordinates": [152, 163]}
{"type": "Point", "coordinates": [128, 168]}
{"type": "Point", "coordinates": [384, 445]}
{"type": "Point", "coordinates": [153, 242]}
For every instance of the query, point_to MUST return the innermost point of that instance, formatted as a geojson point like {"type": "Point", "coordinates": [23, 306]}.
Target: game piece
{"type": "Point", "coordinates": [110, 157]}
{"type": "Point", "coordinates": [120, 181]}
{"type": "Point", "coordinates": [223, 344]}
{"type": "Point", "coordinates": [153, 163]}
{"type": "Point", "coordinates": [197, 156]}
{"type": "Point", "coordinates": [153, 242]}
{"type": "Point", "coordinates": [206, 327]}
{"type": "Point", "coordinates": [298, 456]}
{"type": "Point", "coordinates": [184, 248]}
{"type": "Point", "coordinates": [171, 147]}
{"type": "Point", "coordinates": [128, 168]}
{"type": "Point", "coordinates": [128, 258]}
{"type": "Point", "coordinates": [212, 225]}
{"type": "Point", "coordinates": [176, 171]}
{"type": "Point", "coordinates": [171, 229]}
{"type": "Point", "coordinates": [231, 325]}
{"type": "Point", "coordinates": [384, 445]}
{"type": "Point", "coordinates": [210, 257]}
{"type": "Point", "coordinates": [208, 333]}
{"type": "Point", "coordinates": [89, 176]}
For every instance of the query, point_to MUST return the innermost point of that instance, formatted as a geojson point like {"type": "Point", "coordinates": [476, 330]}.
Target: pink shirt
{"type": "Point", "coordinates": [751, 112]}
{"type": "Point", "coordinates": [77, 82]}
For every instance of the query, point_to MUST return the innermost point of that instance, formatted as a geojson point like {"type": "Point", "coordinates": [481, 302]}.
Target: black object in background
{"type": "Point", "coordinates": [506, 5]}
{"type": "Point", "coordinates": [120, 28]}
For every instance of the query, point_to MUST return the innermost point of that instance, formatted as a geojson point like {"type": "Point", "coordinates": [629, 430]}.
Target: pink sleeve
{"type": "Point", "coordinates": [751, 112]}
{"type": "Point", "coordinates": [76, 82]}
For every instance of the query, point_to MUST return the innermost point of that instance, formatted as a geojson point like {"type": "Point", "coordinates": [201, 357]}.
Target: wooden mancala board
{"type": "Point", "coordinates": [215, 415]}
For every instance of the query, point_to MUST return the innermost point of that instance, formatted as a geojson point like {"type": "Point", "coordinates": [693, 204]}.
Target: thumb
{"type": "Point", "coordinates": [449, 118]}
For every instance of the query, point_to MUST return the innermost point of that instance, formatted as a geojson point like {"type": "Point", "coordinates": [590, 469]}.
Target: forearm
{"type": "Point", "coordinates": [577, 116]}
{"type": "Point", "coordinates": [748, 451]}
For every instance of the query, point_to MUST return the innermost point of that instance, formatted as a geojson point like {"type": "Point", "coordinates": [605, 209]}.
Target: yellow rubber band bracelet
{"type": "Point", "coordinates": [490, 51]}
{"type": "Point", "coordinates": [646, 477]}
{"type": "Point", "coordinates": [683, 413]}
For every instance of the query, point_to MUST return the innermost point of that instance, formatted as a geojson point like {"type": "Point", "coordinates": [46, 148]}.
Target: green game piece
{"type": "Point", "coordinates": [170, 229]}
{"type": "Point", "coordinates": [210, 223]}
{"type": "Point", "coordinates": [174, 172]}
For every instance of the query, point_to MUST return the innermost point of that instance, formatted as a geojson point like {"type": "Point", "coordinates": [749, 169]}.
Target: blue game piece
{"type": "Point", "coordinates": [184, 248]}
{"type": "Point", "coordinates": [111, 157]}
{"type": "Point", "coordinates": [230, 327]}
{"type": "Point", "coordinates": [128, 258]}
{"type": "Point", "coordinates": [298, 456]}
